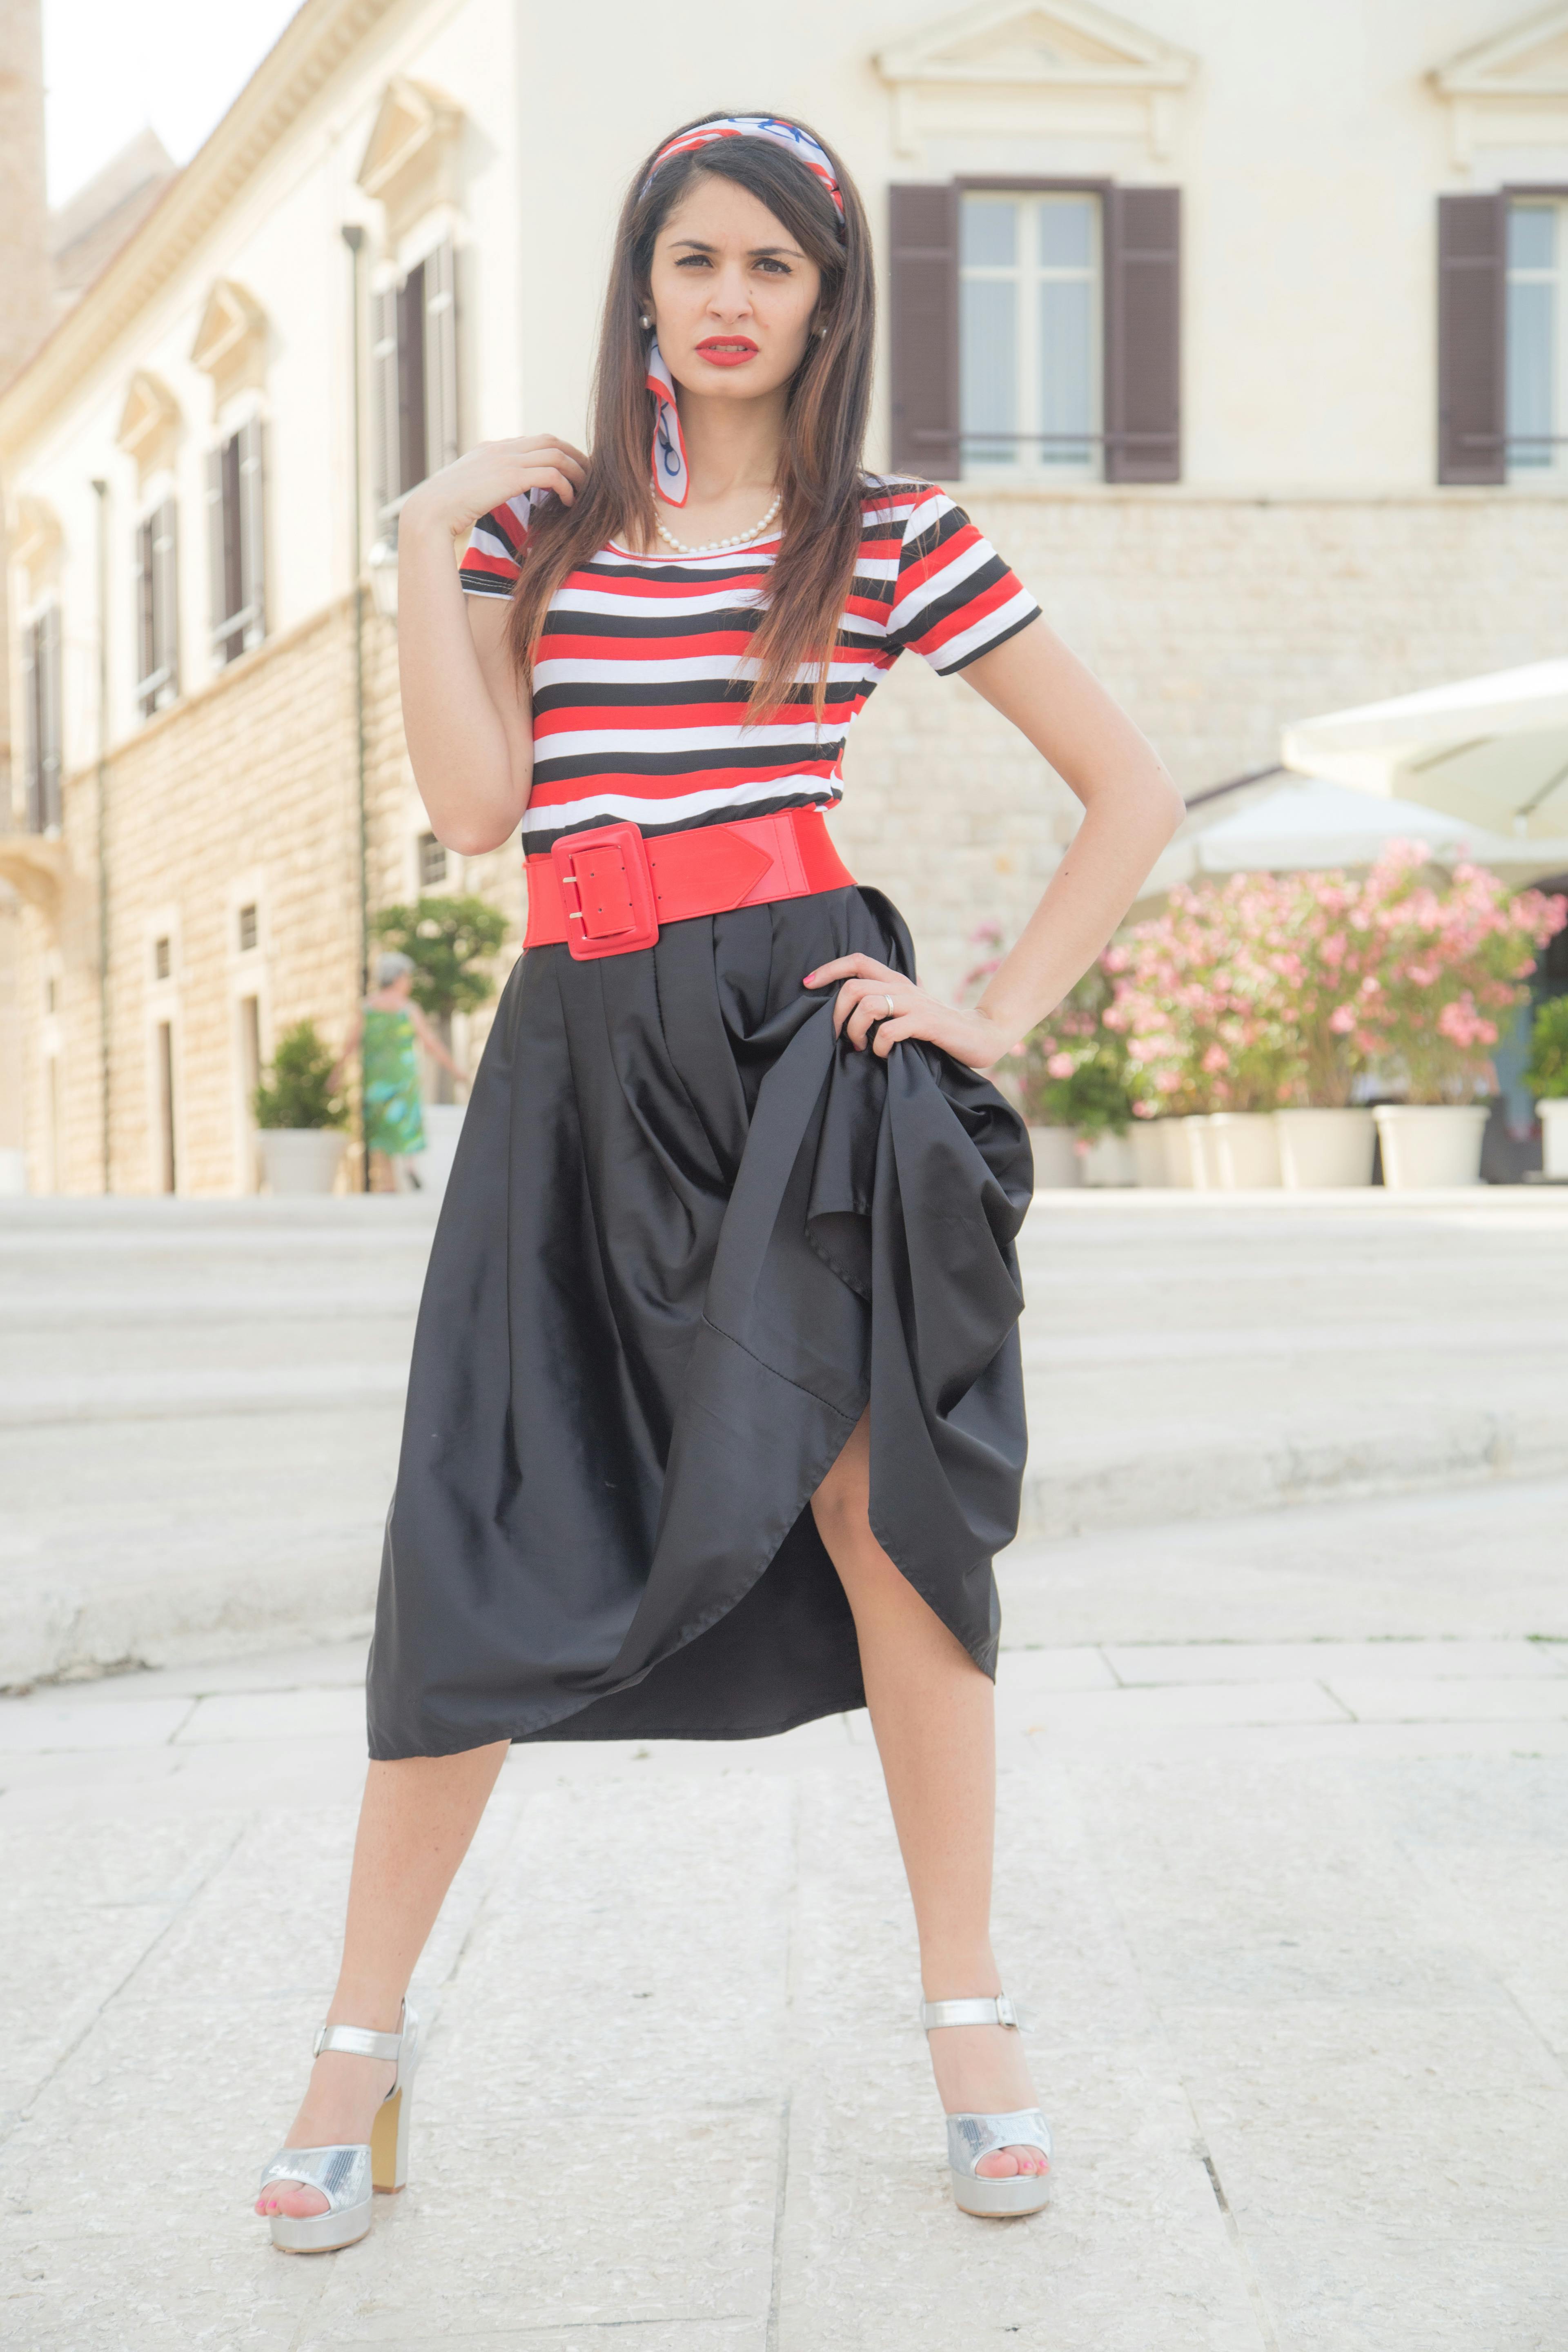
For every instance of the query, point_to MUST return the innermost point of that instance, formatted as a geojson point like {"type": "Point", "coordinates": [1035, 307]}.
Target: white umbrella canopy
{"type": "Point", "coordinates": [1300, 825]}
{"type": "Point", "coordinates": [1491, 751]}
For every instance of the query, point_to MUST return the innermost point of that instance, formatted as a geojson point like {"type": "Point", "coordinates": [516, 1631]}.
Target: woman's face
{"type": "Point", "coordinates": [731, 293]}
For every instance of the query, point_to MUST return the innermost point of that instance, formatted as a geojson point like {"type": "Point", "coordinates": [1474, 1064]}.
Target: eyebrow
{"type": "Point", "coordinates": [698, 245]}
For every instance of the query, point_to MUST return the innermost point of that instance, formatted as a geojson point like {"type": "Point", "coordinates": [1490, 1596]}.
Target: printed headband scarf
{"type": "Point", "coordinates": [670, 478]}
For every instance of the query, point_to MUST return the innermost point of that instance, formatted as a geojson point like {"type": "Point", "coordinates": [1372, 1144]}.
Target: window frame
{"type": "Point", "coordinates": [236, 539]}
{"type": "Point", "coordinates": [414, 304]}
{"type": "Point", "coordinates": [43, 718]}
{"type": "Point", "coordinates": [1098, 437]}
{"type": "Point", "coordinates": [1553, 474]}
{"type": "Point", "coordinates": [156, 636]}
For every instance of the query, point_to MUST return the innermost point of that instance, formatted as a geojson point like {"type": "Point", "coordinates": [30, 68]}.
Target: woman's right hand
{"type": "Point", "coordinates": [454, 500]}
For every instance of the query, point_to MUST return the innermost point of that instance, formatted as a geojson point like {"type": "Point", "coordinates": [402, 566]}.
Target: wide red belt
{"type": "Point", "coordinates": [607, 891]}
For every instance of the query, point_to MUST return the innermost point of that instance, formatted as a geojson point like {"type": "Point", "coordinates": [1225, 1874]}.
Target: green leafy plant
{"type": "Point", "coordinates": [449, 941]}
{"type": "Point", "coordinates": [1073, 1071]}
{"type": "Point", "coordinates": [1546, 1072]}
{"type": "Point", "coordinates": [296, 1092]}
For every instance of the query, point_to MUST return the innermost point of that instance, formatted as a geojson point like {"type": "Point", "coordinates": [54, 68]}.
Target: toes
{"type": "Point", "coordinates": [1000, 2164]}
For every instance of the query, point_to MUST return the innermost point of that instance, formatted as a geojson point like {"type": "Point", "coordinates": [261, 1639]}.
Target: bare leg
{"type": "Point", "coordinates": [933, 1715]}
{"type": "Point", "coordinates": [416, 1823]}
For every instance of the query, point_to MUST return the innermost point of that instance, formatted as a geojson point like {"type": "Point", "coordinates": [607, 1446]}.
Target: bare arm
{"type": "Point", "coordinates": [1130, 810]}
{"type": "Point", "coordinates": [351, 1046]}
{"type": "Point", "coordinates": [465, 712]}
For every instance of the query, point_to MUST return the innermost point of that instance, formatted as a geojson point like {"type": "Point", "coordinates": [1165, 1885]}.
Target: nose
{"type": "Point", "coordinates": [730, 297]}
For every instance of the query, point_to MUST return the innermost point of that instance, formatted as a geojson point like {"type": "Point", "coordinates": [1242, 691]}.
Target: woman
{"type": "Point", "coordinates": [387, 1027]}
{"type": "Point", "coordinates": [715, 1416]}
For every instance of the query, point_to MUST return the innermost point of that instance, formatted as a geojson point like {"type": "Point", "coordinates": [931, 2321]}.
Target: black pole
{"type": "Point", "coordinates": [353, 238]}
{"type": "Point", "coordinates": [106, 1073]}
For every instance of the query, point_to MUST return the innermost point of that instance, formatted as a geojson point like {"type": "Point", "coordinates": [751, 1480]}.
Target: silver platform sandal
{"type": "Point", "coordinates": [969, 2137]}
{"type": "Point", "coordinates": [347, 2176]}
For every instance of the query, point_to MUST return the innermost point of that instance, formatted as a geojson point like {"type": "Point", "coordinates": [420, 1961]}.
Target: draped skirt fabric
{"type": "Point", "coordinates": [688, 1238]}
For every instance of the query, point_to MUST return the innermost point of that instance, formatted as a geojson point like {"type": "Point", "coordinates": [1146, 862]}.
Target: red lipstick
{"type": "Point", "coordinates": [728, 350]}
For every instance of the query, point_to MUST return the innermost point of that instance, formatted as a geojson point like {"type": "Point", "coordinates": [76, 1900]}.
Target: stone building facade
{"type": "Point", "coordinates": [1248, 516]}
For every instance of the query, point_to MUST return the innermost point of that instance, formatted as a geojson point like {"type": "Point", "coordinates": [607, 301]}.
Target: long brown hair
{"type": "Point", "coordinates": [820, 472]}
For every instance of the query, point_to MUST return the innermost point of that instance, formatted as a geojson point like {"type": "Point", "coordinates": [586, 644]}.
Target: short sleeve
{"type": "Point", "coordinates": [954, 599]}
{"type": "Point", "coordinates": [493, 557]}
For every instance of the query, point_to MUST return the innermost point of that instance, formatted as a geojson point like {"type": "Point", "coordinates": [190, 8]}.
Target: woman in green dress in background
{"type": "Point", "coordinates": [386, 1028]}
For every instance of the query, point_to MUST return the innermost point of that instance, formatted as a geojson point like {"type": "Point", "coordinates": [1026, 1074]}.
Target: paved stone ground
{"type": "Point", "coordinates": [199, 1402]}
{"type": "Point", "coordinates": [1283, 1873]}
{"type": "Point", "coordinates": [1284, 1821]}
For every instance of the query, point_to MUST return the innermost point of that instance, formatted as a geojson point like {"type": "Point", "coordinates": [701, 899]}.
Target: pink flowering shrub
{"type": "Point", "coordinates": [1274, 989]}
{"type": "Point", "coordinates": [1072, 1071]}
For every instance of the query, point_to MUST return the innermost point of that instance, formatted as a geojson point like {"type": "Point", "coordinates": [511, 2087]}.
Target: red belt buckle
{"type": "Point", "coordinates": [606, 884]}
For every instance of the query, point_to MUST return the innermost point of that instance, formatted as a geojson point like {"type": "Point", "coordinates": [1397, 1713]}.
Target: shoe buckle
{"type": "Point", "coordinates": [607, 883]}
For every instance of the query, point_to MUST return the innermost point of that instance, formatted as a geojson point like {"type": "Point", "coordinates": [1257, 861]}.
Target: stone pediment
{"type": "Point", "coordinates": [1062, 67]}
{"type": "Point", "coordinates": [409, 162]}
{"type": "Point", "coordinates": [1510, 91]}
{"type": "Point", "coordinates": [36, 541]}
{"type": "Point", "coordinates": [149, 424]}
{"type": "Point", "coordinates": [230, 342]}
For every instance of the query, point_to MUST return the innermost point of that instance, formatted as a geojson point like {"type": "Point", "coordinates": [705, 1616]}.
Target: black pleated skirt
{"type": "Point", "coordinates": [688, 1238]}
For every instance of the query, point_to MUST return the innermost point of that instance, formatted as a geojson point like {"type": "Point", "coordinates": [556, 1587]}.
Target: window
{"type": "Point", "coordinates": [432, 862]}
{"type": "Point", "coordinates": [236, 543]}
{"type": "Point", "coordinates": [41, 719]}
{"type": "Point", "coordinates": [161, 960]}
{"type": "Point", "coordinates": [249, 929]}
{"type": "Point", "coordinates": [1535, 366]}
{"type": "Point", "coordinates": [413, 375]}
{"type": "Point", "coordinates": [1030, 334]}
{"type": "Point", "coordinates": [1036, 330]}
{"type": "Point", "coordinates": [157, 611]}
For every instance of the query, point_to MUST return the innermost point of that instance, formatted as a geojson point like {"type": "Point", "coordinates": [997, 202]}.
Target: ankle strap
{"type": "Point", "coordinates": [357, 2041]}
{"type": "Point", "coordinates": [999, 2011]}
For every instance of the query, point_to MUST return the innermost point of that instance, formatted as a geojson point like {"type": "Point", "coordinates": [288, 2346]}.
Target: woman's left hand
{"type": "Point", "coordinates": [879, 1006]}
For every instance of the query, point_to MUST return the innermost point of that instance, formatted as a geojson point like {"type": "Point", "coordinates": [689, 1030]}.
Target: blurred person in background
{"type": "Point", "coordinates": [715, 1416]}
{"type": "Point", "coordinates": [386, 1029]}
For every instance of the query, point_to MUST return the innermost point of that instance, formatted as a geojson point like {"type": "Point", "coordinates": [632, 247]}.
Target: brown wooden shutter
{"type": "Point", "coordinates": [924, 317]}
{"type": "Point", "coordinates": [385, 483]}
{"type": "Point", "coordinates": [218, 567]}
{"type": "Point", "coordinates": [413, 454]}
{"type": "Point", "coordinates": [1472, 297]}
{"type": "Point", "coordinates": [32, 766]}
{"type": "Point", "coordinates": [146, 623]}
{"type": "Point", "coordinates": [441, 356]}
{"type": "Point", "coordinates": [251, 519]}
{"type": "Point", "coordinates": [1142, 335]}
{"type": "Point", "coordinates": [166, 602]}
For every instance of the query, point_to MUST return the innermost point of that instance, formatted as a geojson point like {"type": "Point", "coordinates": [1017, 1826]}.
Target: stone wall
{"type": "Point", "coordinates": [246, 790]}
{"type": "Point", "coordinates": [1213, 620]}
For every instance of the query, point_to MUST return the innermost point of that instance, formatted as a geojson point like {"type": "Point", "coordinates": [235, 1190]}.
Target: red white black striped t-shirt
{"type": "Point", "coordinates": [644, 666]}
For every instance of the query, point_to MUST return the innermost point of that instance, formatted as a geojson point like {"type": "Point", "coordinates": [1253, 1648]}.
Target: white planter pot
{"type": "Point", "coordinates": [1198, 1129]}
{"type": "Point", "coordinates": [1148, 1144]}
{"type": "Point", "coordinates": [1108, 1161]}
{"type": "Point", "coordinates": [1178, 1152]}
{"type": "Point", "coordinates": [301, 1159]}
{"type": "Point", "coordinates": [1056, 1159]}
{"type": "Point", "coordinates": [1243, 1150]}
{"type": "Point", "coordinates": [1554, 1136]}
{"type": "Point", "coordinates": [443, 1125]}
{"type": "Point", "coordinates": [14, 1172]}
{"type": "Point", "coordinates": [1323, 1149]}
{"type": "Point", "coordinates": [1427, 1144]}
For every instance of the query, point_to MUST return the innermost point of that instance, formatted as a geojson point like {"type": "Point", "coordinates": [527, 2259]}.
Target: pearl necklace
{"type": "Point", "coordinates": [717, 546]}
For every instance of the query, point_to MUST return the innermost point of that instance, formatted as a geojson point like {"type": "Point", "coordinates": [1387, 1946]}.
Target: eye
{"type": "Point", "coordinates": [692, 261]}
{"type": "Point", "coordinates": [772, 263]}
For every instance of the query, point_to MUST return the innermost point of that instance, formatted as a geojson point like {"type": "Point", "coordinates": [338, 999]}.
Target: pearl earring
{"type": "Point", "coordinates": [646, 322]}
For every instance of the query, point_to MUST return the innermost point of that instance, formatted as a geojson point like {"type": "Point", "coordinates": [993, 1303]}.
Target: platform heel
{"type": "Point", "coordinates": [971, 2136]}
{"type": "Point", "coordinates": [350, 2177]}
